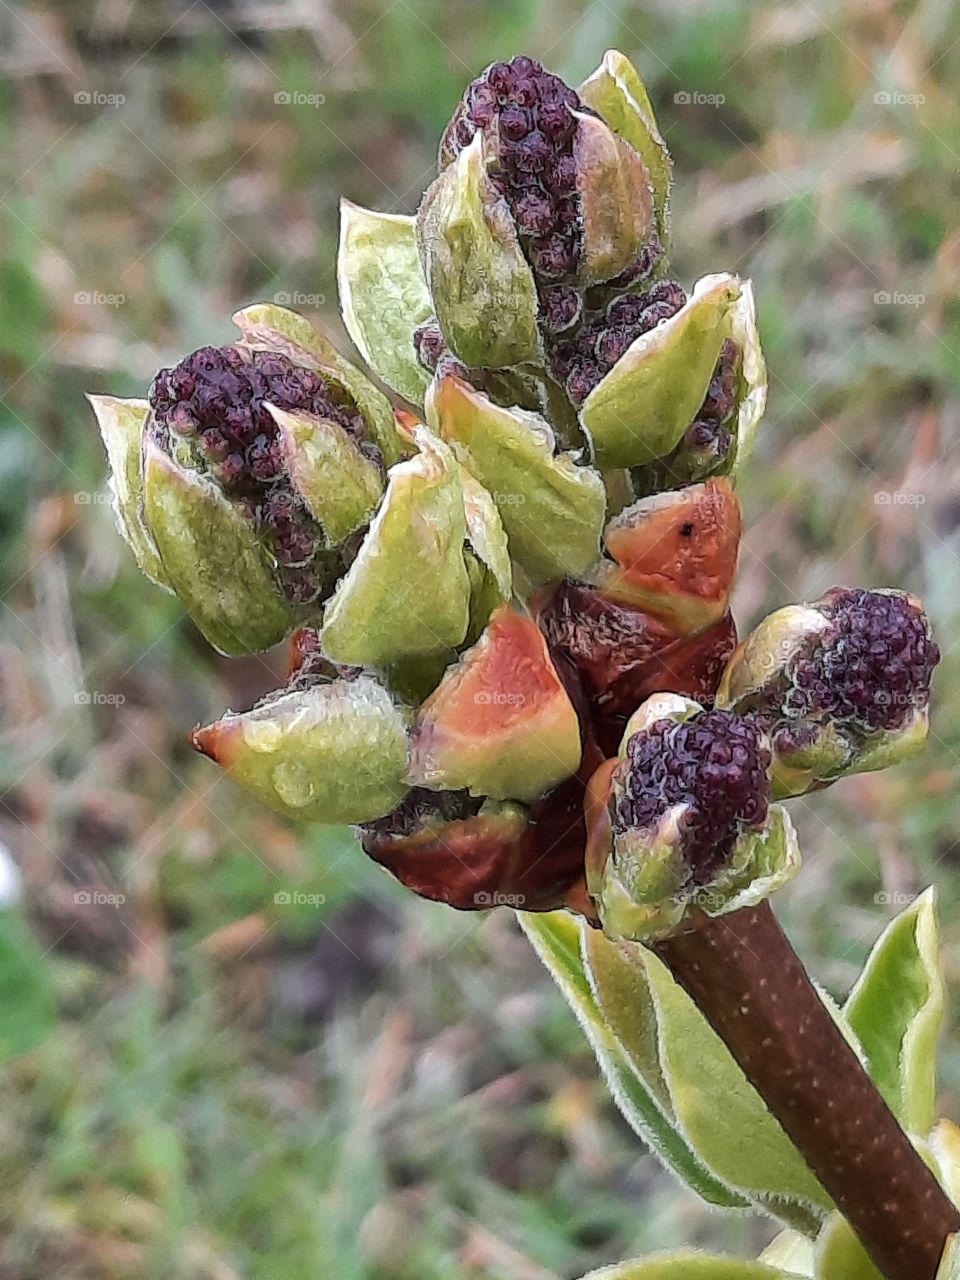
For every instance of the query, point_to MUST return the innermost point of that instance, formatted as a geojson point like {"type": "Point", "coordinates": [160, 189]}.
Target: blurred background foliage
{"type": "Point", "coordinates": [211, 1081]}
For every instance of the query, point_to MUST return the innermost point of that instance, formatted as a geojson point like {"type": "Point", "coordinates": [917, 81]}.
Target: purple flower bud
{"type": "Point", "coordinates": [716, 766]}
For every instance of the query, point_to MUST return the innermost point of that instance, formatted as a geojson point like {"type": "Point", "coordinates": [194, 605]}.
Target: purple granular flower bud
{"type": "Point", "coordinates": [220, 394]}
{"type": "Point", "coordinates": [515, 123]}
{"type": "Point", "coordinates": [533, 213]}
{"type": "Point", "coordinates": [526, 114]}
{"type": "Point", "coordinates": [640, 269]}
{"type": "Point", "coordinates": [721, 395]}
{"type": "Point", "coordinates": [716, 766]}
{"type": "Point", "coordinates": [601, 343]}
{"type": "Point", "coordinates": [872, 665]}
{"type": "Point", "coordinates": [560, 308]}
{"type": "Point", "coordinates": [429, 345]}
{"type": "Point", "coordinates": [552, 256]}
{"type": "Point", "coordinates": [611, 345]}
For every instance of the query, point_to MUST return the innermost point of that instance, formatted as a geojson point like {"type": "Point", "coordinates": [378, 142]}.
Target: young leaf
{"type": "Point", "coordinates": [791, 1251]}
{"type": "Point", "coordinates": [689, 1266]}
{"type": "Point", "coordinates": [556, 938]}
{"type": "Point", "coordinates": [950, 1262]}
{"type": "Point", "coordinates": [720, 1114]}
{"type": "Point", "coordinates": [896, 1010]}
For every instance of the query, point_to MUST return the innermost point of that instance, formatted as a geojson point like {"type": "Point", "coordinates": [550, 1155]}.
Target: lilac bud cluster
{"type": "Point", "coordinates": [871, 667]}
{"type": "Point", "coordinates": [717, 765]}
{"type": "Point", "coordinates": [214, 402]}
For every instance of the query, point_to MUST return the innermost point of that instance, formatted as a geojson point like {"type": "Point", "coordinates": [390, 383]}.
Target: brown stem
{"type": "Point", "coordinates": [753, 990]}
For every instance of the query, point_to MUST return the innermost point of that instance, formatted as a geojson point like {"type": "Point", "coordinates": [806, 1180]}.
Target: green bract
{"type": "Point", "coordinates": [212, 558]}
{"type": "Point", "coordinates": [333, 752]}
{"type": "Point", "coordinates": [121, 424]}
{"type": "Point", "coordinates": [641, 409]}
{"type": "Point", "coordinates": [551, 507]}
{"type": "Point", "coordinates": [616, 200]}
{"type": "Point", "coordinates": [383, 294]}
{"type": "Point", "coordinates": [616, 91]}
{"type": "Point", "coordinates": [482, 288]}
{"type": "Point", "coordinates": [408, 591]}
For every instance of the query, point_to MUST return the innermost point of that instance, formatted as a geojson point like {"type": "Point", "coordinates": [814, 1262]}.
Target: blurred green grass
{"type": "Point", "coordinates": [369, 1086]}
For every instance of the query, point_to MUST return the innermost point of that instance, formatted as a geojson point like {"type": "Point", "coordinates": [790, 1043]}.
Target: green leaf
{"type": "Point", "coordinates": [641, 408]}
{"type": "Point", "coordinates": [791, 1251]}
{"type": "Point", "coordinates": [383, 294]}
{"type": "Point", "coordinates": [689, 1266]}
{"type": "Point", "coordinates": [841, 1256]}
{"type": "Point", "coordinates": [27, 1007]}
{"type": "Point", "coordinates": [721, 1115]}
{"type": "Point", "coordinates": [896, 1010]}
{"type": "Point", "coordinates": [556, 938]}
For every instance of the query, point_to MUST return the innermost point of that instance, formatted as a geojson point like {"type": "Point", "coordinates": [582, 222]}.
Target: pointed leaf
{"type": "Point", "coordinates": [483, 290]}
{"type": "Point", "coordinates": [383, 294]}
{"type": "Point", "coordinates": [896, 1010]}
{"type": "Point", "coordinates": [616, 204]}
{"type": "Point", "coordinates": [722, 1116]}
{"type": "Point", "coordinates": [556, 938]}
{"type": "Point", "coordinates": [641, 408]}
{"type": "Point", "coordinates": [332, 753]}
{"type": "Point", "coordinates": [265, 324]}
{"type": "Point", "coordinates": [551, 507]}
{"type": "Point", "coordinates": [339, 485]}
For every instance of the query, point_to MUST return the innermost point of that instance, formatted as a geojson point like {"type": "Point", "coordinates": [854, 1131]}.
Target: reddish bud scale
{"type": "Point", "coordinates": [623, 655]}
{"type": "Point", "coordinates": [216, 398]}
{"type": "Point", "coordinates": [717, 764]}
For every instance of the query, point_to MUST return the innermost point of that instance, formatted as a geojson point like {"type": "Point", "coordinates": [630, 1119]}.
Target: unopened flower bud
{"type": "Point", "coordinates": [682, 821]}
{"type": "Point", "coordinates": [239, 481]}
{"type": "Point", "coordinates": [649, 367]}
{"type": "Point", "coordinates": [842, 685]}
